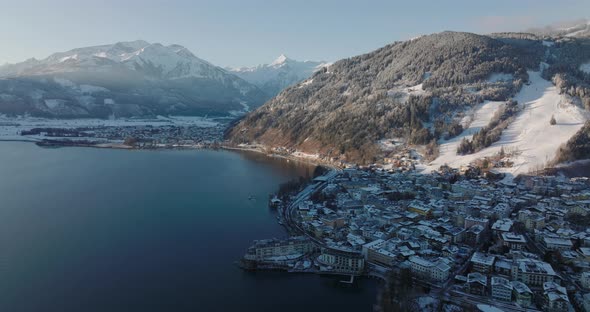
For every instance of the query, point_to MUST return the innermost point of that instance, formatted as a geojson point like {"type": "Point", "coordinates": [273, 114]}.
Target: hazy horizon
{"type": "Point", "coordinates": [230, 33]}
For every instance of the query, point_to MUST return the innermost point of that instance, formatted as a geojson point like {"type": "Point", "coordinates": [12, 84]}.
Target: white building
{"type": "Point", "coordinates": [482, 263]}
{"type": "Point", "coordinates": [342, 262]}
{"type": "Point", "coordinates": [555, 298]}
{"type": "Point", "coordinates": [557, 243]}
{"type": "Point", "coordinates": [513, 241]}
{"type": "Point", "coordinates": [532, 272]}
{"type": "Point", "coordinates": [435, 271]}
{"type": "Point", "coordinates": [376, 252]}
{"type": "Point", "coordinates": [522, 294]}
{"type": "Point", "coordinates": [585, 280]}
{"type": "Point", "coordinates": [501, 289]}
{"type": "Point", "coordinates": [279, 250]}
{"type": "Point", "coordinates": [502, 226]}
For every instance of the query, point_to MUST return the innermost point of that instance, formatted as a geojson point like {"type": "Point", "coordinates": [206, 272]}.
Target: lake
{"type": "Point", "coordinates": [85, 229]}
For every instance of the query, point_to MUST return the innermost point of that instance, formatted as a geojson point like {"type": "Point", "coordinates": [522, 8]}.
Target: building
{"type": "Point", "coordinates": [420, 209]}
{"type": "Point", "coordinates": [474, 235]}
{"type": "Point", "coordinates": [477, 284]}
{"type": "Point", "coordinates": [586, 302]}
{"type": "Point", "coordinates": [557, 243]}
{"type": "Point", "coordinates": [375, 252]}
{"type": "Point", "coordinates": [482, 263]}
{"type": "Point", "coordinates": [522, 294]}
{"type": "Point", "coordinates": [279, 250]}
{"type": "Point", "coordinates": [502, 226]}
{"type": "Point", "coordinates": [532, 272]}
{"type": "Point", "coordinates": [434, 271]}
{"type": "Point", "coordinates": [585, 280]}
{"type": "Point", "coordinates": [532, 221]}
{"type": "Point", "coordinates": [342, 262]}
{"type": "Point", "coordinates": [513, 241]}
{"type": "Point", "coordinates": [471, 221]}
{"type": "Point", "coordinates": [555, 298]}
{"type": "Point", "coordinates": [501, 289]}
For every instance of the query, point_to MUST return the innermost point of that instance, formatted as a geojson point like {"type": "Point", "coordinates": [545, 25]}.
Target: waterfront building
{"type": "Point", "coordinates": [342, 262]}
{"type": "Point", "coordinates": [279, 250]}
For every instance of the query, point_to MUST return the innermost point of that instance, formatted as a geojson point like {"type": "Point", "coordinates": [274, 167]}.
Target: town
{"type": "Point", "coordinates": [466, 239]}
{"type": "Point", "coordinates": [161, 132]}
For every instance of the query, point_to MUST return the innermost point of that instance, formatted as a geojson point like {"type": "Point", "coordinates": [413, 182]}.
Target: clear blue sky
{"type": "Point", "coordinates": [250, 32]}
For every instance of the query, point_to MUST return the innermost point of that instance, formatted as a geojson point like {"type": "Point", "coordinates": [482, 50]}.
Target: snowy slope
{"type": "Point", "coordinates": [580, 30]}
{"type": "Point", "coordinates": [279, 74]}
{"type": "Point", "coordinates": [473, 122]}
{"type": "Point", "coordinates": [530, 133]}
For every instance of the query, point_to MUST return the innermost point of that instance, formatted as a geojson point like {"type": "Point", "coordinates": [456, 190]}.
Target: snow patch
{"type": "Point", "coordinates": [54, 103]}
{"type": "Point", "coordinates": [306, 83]}
{"type": "Point", "coordinates": [403, 94]}
{"type": "Point", "coordinates": [585, 67]}
{"type": "Point", "coordinates": [500, 77]}
{"type": "Point", "coordinates": [67, 58]}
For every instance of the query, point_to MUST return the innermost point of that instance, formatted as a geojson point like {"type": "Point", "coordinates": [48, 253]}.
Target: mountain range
{"type": "Point", "coordinates": [124, 79]}
{"type": "Point", "coordinates": [281, 73]}
{"type": "Point", "coordinates": [138, 78]}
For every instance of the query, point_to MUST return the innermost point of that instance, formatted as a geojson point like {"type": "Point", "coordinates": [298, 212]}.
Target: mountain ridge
{"type": "Point", "coordinates": [279, 74]}
{"type": "Point", "coordinates": [140, 78]}
{"type": "Point", "coordinates": [415, 92]}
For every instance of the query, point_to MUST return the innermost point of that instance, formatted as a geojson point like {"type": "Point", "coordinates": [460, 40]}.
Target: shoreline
{"type": "Point", "coordinates": [210, 146]}
{"type": "Point", "coordinates": [287, 157]}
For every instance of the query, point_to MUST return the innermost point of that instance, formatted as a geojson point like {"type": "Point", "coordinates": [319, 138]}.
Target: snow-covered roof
{"type": "Point", "coordinates": [481, 258]}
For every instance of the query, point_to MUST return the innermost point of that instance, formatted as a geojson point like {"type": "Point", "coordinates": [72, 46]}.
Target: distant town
{"type": "Point", "coordinates": [460, 238]}
{"type": "Point", "coordinates": [159, 132]}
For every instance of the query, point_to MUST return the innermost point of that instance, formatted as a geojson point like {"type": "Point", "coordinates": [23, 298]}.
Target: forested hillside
{"type": "Point", "coordinates": [410, 91]}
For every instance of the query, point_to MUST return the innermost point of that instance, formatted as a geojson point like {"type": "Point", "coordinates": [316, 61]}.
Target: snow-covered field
{"type": "Point", "coordinates": [500, 77]}
{"type": "Point", "coordinates": [530, 133]}
{"type": "Point", "coordinates": [402, 94]}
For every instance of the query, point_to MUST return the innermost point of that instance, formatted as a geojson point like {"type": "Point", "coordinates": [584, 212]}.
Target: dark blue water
{"type": "Point", "coordinates": [109, 230]}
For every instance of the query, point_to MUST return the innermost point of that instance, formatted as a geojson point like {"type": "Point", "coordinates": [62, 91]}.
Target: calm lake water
{"type": "Point", "coordinates": [109, 230]}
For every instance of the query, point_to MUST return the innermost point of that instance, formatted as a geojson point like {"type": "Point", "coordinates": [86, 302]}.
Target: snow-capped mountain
{"type": "Point", "coordinates": [125, 78]}
{"type": "Point", "coordinates": [282, 72]}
